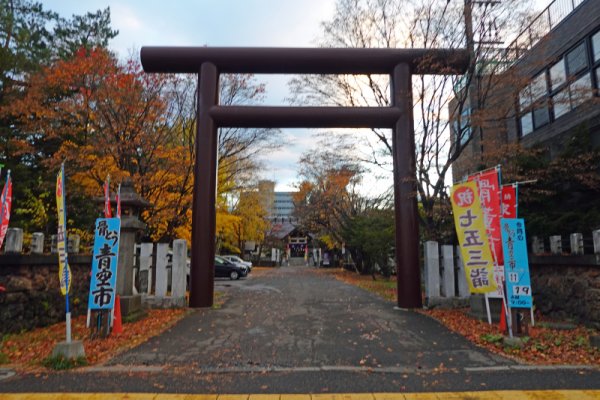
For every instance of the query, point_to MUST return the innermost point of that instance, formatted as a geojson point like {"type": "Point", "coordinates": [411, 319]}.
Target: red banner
{"type": "Point", "coordinates": [119, 202]}
{"type": "Point", "coordinates": [489, 193]}
{"type": "Point", "coordinates": [5, 208]}
{"type": "Point", "coordinates": [509, 201]}
{"type": "Point", "coordinates": [107, 212]}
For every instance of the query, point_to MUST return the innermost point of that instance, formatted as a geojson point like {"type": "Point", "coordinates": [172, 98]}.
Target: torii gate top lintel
{"type": "Point", "coordinates": [272, 60]}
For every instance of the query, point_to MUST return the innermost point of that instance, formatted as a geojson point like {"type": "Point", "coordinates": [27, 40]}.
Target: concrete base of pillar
{"type": "Point", "coordinates": [164, 302]}
{"type": "Point", "coordinates": [72, 350]}
{"type": "Point", "coordinates": [447, 302]}
{"type": "Point", "coordinates": [477, 304]}
{"type": "Point", "coordinates": [130, 305]}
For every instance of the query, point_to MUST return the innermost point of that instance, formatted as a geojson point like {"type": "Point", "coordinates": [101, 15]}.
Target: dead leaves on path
{"type": "Point", "coordinates": [543, 346]}
{"type": "Point", "coordinates": [26, 351]}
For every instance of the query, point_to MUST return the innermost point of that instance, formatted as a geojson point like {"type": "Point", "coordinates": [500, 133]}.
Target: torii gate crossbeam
{"type": "Point", "coordinates": [400, 64]}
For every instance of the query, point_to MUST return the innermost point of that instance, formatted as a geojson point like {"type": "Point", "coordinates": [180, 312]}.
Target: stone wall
{"type": "Point", "coordinates": [32, 295]}
{"type": "Point", "coordinates": [567, 291]}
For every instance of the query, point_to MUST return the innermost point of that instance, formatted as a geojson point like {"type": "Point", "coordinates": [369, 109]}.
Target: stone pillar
{"type": "Point", "coordinates": [180, 269]}
{"type": "Point", "coordinates": [463, 286]}
{"type": "Point", "coordinates": [14, 240]}
{"type": "Point", "coordinates": [160, 289]}
{"type": "Point", "coordinates": [448, 273]}
{"type": "Point", "coordinates": [53, 244]}
{"type": "Point", "coordinates": [576, 243]}
{"type": "Point", "coordinates": [537, 245]}
{"type": "Point", "coordinates": [556, 244]}
{"type": "Point", "coordinates": [145, 278]}
{"type": "Point", "coordinates": [432, 270]}
{"type": "Point", "coordinates": [596, 235]}
{"type": "Point", "coordinates": [37, 243]}
{"type": "Point", "coordinates": [73, 244]}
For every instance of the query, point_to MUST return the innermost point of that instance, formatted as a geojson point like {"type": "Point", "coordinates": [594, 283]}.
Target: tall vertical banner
{"type": "Point", "coordinates": [509, 201]}
{"type": "Point", "coordinates": [5, 203]}
{"type": "Point", "coordinates": [104, 264]}
{"type": "Point", "coordinates": [489, 195]}
{"type": "Point", "coordinates": [64, 272]}
{"type": "Point", "coordinates": [518, 283]}
{"type": "Point", "coordinates": [474, 246]}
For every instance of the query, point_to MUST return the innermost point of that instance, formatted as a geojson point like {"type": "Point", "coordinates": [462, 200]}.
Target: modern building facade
{"type": "Point", "coordinates": [278, 205]}
{"type": "Point", "coordinates": [547, 91]}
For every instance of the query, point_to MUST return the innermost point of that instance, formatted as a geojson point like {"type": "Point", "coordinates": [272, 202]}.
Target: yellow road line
{"type": "Point", "coordinates": [483, 395]}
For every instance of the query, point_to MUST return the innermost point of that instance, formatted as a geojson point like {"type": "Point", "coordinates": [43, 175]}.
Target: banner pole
{"type": "Point", "coordinates": [68, 317]}
{"type": "Point", "coordinates": [487, 308]}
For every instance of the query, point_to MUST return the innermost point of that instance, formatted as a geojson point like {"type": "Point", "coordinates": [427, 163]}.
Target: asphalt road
{"type": "Point", "coordinates": [292, 330]}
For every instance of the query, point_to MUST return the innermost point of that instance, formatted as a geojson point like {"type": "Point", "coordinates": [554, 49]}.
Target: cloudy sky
{"type": "Point", "coordinates": [261, 23]}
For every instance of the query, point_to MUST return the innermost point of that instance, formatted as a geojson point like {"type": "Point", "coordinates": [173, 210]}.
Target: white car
{"type": "Point", "coordinates": [237, 260]}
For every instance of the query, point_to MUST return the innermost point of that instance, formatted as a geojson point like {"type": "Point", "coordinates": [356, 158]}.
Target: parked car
{"type": "Point", "coordinates": [236, 259]}
{"type": "Point", "coordinates": [226, 269]}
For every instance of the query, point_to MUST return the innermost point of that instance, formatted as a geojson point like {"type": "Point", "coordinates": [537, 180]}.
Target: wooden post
{"type": "Point", "coordinates": [205, 188]}
{"type": "Point", "coordinates": [405, 192]}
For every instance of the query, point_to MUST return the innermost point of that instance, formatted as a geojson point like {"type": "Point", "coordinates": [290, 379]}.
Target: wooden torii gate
{"type": "Point", "coordinates": [400, 64]}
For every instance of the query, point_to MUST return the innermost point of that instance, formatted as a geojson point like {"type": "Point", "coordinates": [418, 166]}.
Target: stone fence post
{"type": "Point", "coordinates": [537, 245]}
{"type": "Point", "coordinates": [162, 277]}
{"type": "Point", "coordinates": [37, 243]}
{"type": "Point", "coordinates": [448, 271]}
{"type": "Point", "coordinates": [596, 235]}
{"type": "Point", "coordinates": [463, 286]}
{"type": "Point", "coordinates": [576, 243]}
{"type": "Point", "coordinates": [14, 240]}
{"type": "Point", "coordinates": [179, 273]}
{"type": "Point", "coordinates": [432, 270]}
{"type": "Point", "coordinates": [556, 244]}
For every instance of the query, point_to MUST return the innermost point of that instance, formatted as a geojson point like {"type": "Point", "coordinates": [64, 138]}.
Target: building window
{"type": "Point", "coordinates": [463, 132]}
{"type": "Point", "coordinates": [561, 103]}
{"type": "Point", "coordinates": [539, 87]}
{"type": "Point", "coordinates": [541, 116]}
{"type": "Point", "coordinates": [581, 90]}
{"type": "Point", "coordinates": [577, 59]}
{"type": "Point", "coordinates": [598, 78]}
{"type": "Point", "coordinates": [557, 75]}
{"type": "Point", "coordinates": [596, 46]}
{"type": "Point", "coordinates": [526, 124]}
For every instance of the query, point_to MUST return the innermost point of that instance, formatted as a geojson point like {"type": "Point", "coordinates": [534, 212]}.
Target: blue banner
{"type": "Point", "coordinates": [516, 263]}
{"type": "Point", "coordinates": [104, 264]}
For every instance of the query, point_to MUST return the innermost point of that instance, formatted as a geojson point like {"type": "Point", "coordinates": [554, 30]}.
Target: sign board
{"type": "Point", "coordinates": [474, 246]}
{"type": "Point", "coordinates": [518, 283]}
{"type": "Point", "coordinates": [104, 264]}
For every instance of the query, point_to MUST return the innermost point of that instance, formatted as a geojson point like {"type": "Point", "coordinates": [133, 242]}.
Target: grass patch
{"type": "Point", "coordinates": [491, 338]}
{"type": "Point", "coordinates": [61, 363]}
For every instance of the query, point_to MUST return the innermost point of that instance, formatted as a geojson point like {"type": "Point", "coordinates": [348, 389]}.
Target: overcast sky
{"type": "Point", "coordinates": [260, 23]}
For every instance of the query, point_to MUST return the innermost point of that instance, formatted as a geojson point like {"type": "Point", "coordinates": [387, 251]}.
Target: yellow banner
{"type": "Point", "coordinates": [64, 272]}
{"type": "Point", "coordinates": [474, 246]}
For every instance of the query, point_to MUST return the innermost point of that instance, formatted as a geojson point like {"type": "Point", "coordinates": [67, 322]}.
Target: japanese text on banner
{"type": "Point", "coordinates": [104, 264]}
{"type": "Point", "coordinates": [489, 195]}
{"type": "Point", "coordinates": [509, 201]}
{"type": "Point", "coordinates": [518, 283]}
{"type": "Point", "coordinates": [474, 246]}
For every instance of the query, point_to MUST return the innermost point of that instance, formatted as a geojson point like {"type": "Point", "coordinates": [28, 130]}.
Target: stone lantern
{"type": "Point", "coordinates": [131, 206]}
